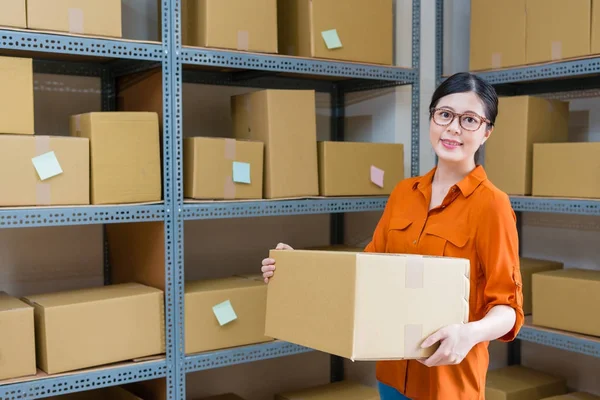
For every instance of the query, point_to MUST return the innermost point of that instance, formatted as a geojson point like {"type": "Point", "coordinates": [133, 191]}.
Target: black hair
{"type": "Point", "coordinates": [466, 82]}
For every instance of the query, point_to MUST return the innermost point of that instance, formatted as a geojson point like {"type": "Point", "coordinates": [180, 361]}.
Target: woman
{"type": "Point", "coordinates": [454, 210]}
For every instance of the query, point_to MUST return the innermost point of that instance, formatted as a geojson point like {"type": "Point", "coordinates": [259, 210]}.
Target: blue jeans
{"type": "Point", "coordinates": [389, 393]}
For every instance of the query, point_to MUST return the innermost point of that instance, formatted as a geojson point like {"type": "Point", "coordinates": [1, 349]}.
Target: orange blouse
{"type": "Point", "coordinates": [475, 221]}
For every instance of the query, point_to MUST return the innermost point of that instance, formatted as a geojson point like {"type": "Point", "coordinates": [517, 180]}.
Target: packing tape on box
{"type": "Point", "coordinates": [230, 149]}
{"type": "Point", "coordinates": [243, 40]}
{"type": "Point", "coordinates": [496, 60]}
{"type": "Point", "coordinates": [43, 195]}
{"type": "Point", "coordinates": [76, 19]}
{"type": "Point", "coordinates": [229, 186]}
{"type": "Point", "coordinates": [414, 272]}
{"type": "Point", "coordinates": [556, 51]}
{"type": "Point", "coordinates": [413, 337]}
{"type": "Point", "coordinates": [77, 119]}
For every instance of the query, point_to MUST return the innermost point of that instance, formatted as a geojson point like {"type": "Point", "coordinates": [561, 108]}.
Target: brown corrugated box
{"type": "Point", "coordinates": [17, 338]}
{"type": "Point", "coordinates": [522, 121]}
{"type": "Point", "coordinates": [364, 28]}
{"type": "Point", "coordinates": [209, 168]}
{"type": "Point", "coordinates": [574, 396]}
{"type": "Point", "coordinates": [21, 183]}
{"type": "Point", "coordinates": [345, 390]}
{"type": "Point", "coordinates": [355, 169]}
{"type": "Point", "coordinates": [566, 169]}
{"type": "Point", "coordinates": [141, 92]}
{"type": "Point", "coordinates": [595, 41]}
{"type": "Point", "coordinates": [285, 121]}
{"type": "Point", "coordinates": [338, 302]}
{"type": "Point", "coordinates": [125, 155]}
{"type": "Point", "coordinates": [16, 110]}
{"type": "Point", "coordinates": [109, 393]}
{"type": "Point", "coordinates": [90, 327]}
{"type": "Point", "coordinates": [565, 299]}
{"type": "Point", "coordinates": [13, 14]}
{"type": "Point", "coordinates": [520, 383]}
{"type": "Point", "coordinates": [557, 29]}
{"type": "Point", "coordinates": [530, 266]}
{"type": "Point", "coordinates": [497, 42]}
{"type": "Point", "coordinates": [247, 298]}
{"type": "Point", "coordinates": [232, 24]}
{"type": "Point", "coordinates": [82, 17]}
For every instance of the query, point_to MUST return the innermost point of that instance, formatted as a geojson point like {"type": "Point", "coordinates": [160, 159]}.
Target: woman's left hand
{"type": "Point", "coordinates": [455, 343]}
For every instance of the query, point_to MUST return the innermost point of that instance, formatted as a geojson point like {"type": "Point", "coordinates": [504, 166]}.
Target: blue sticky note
{"type": "Point", "coordinates": [224, 312]}
{"type": "Point", "coordinates": [47, 165]}
{"type": "Point", "coordinates": [332, 39]}
{"type": "Point", "coordinates": [241, 172]}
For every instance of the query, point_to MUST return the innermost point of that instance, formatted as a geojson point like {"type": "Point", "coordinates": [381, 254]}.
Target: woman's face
{"type": "Point", "coordinates": [452, 142]}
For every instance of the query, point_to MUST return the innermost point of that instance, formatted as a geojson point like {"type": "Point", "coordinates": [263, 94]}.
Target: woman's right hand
{"type": "Point", "coordinates": [268, 264]}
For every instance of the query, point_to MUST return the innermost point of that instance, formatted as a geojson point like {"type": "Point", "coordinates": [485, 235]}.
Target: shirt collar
{"type": "Point", "coordinates": [467, 186]}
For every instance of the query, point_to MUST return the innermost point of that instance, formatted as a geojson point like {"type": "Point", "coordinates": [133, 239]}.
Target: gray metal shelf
{"type": "Point", "coordinates": [242, 355]}
{"type": "Point", "coordinates": [556, 205]}
{"type": "Point", "coordinates": [262, 208]}
{"type": "Point", "coordinates": [561, 340]}
{"type": "Point", "coordinates": [82, 381]}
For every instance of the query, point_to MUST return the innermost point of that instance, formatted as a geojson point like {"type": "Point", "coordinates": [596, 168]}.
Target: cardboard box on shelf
{"type": "Point", "coordinates": [359, 169]}
{"type": "Point", "coordinates": [17, 338]}
{"type": "Point", "coordinates": [346, 390]}
{"type": "Point", "coordinates": [360, 31]}
{"type": "Point", "coordinates": [215, 168]}
{"type": "Point", "coordinates": [530, 266]}
{"type": "Point", "coordinates": [518, 382]}
{"type": "Point", "coordinates": [574, 396]}
{"type": "Point", "coordinates": [522, 122]}
{"type": "Point", "coordinates": [563, 299]}
{"type": "Point", "coordinates": [16, 110]}
{"type": "Point", "coordinates": [233, 24]}
{"type": "Point", "coordinates": [335, 302]}
{"type": "Point", "coordinates": [90, 327]}
{"type": "Point", "coordinates": [80, 17]}
{"type": "Point", "coordinates": [13, 14]}
{"type": "Point", "coordinates": [222, 313]}
{"type": "Point", "coordinates": [595, 40]}
{"type": "Point", "coordinates": [566, 169]}
{"type": "Point", "coordinates": [141, 92]}
{"type": "Point", "coordinates": [44, 170]}
{"type": "Point", "coordinates": [285, 121]}
{"type": "Point", "coordinates": [497, 42]}
{"type": "Point", "coordinates": [557, 30]}
{"type": "Point", "coordinates": [109, 393]}
{"type": "Point", "coordinates": [125, 155]}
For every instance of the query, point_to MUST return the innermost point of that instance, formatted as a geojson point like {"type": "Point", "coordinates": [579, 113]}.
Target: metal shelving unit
{"type": "Point", "coordinates": [108, 59]}
{"type": "Point", "coordinates": [562, 79]}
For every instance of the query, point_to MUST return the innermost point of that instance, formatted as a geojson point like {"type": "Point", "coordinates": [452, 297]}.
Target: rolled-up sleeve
{"type": "Point", "coordinates": [497, 244]}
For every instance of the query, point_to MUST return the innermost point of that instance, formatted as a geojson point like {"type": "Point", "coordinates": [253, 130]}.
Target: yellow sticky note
{"type": "Point", "coordinates": [332, 39]}
{"type": "Point", "coordinates": [224, 312]}
{"type": "Point", "coordinates": [47, 165]}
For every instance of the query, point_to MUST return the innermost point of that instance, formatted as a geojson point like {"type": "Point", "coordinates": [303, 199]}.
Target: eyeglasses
{"type": "Point", "coordinates": [467, 121]}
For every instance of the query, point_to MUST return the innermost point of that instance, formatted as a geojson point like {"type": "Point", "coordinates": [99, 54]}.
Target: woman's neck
{"type": "Point", "coordinates": [449, 174]}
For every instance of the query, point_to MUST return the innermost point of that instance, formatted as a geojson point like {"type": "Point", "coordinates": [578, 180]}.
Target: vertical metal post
{"type": "Point", "coordinates": [337, 220]}
{"type": "Point", "coordinates": [514, 347]}
{"type": "Point", "coordinates": [108, 93]}
{"type": "Point", "coordinates": [439, 40]}
{"type": "Point", "coordinates": [416, 85]}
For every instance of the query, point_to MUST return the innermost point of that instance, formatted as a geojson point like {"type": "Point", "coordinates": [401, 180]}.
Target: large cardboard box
{"type": "Point", "coordinates": [557, 29]}
{"type": "Point", "coordinates": [17, 338]}
{"type": "Point", "coordinates": [285, 121]}
{"type": "Point", "coordinates": [566, 169]}
{"type": "Point", "coordinates": [82, 17]}
{"type": "Point", "coordinates": [125, 155]}
{"type": "Point", "coordinates": [497, 42]}
{"type": "Point", "coordinates": [359, 31]}
{"type": "Point", "coordinates": [16, 110]}
{"type": "Point", "coordinates": [522, 121]}
{"type": "Point", "coordinates": [565, 299]}
{"type": "Point", "coordinates": [520, 383]}
{"type": "Point", "coordinates": [345, 390]}
{"type": "Point", "coordinates": [530, 266]}
{"type": "Point", "coordinates": [215, 168]}
{"type": "Point", "coordinates": [222, 313]}
{"type": "Point", "coordinates": [13, 13]}
{"type": "Point", "coordinates": [28, 165]}
{"type": "Point", "coordinates": [338, 302]}
{"type": "Point", "coordinates": [109, 393]}
{"type": "Point", "coordinates": [359, 169]}
{"type": "Point", "coordinates": [574, 396]}
{"type": "Point", "coordinates": [90, 327]}
{"type": "Point", "coordinates": [232, 24]}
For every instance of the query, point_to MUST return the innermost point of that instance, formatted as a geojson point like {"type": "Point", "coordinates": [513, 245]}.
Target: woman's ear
{"type": "Point", "coordinates": [488, 132]}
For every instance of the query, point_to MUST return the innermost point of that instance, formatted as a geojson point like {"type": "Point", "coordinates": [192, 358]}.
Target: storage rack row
{"type": "Point", "coordinates": [564, 79]}
{"type": "Point", "coordinates": [109, 59]}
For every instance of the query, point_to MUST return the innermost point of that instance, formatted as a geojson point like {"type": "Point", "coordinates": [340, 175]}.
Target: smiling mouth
{"type": "Point", "coordinates": [450, 142]}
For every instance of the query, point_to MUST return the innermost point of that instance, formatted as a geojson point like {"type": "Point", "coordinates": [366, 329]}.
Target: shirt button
{"type": "Point", "coordinates": [415, 242]}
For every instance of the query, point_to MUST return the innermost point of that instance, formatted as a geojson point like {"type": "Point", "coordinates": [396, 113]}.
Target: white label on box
{"type": "Point", "coordinates": [47, 165]}
{"type": "Point", "coordinates": [224, 312]}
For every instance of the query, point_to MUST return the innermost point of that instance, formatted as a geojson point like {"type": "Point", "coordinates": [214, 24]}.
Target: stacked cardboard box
{"type": "Point", "coordinates": [14, 13]}
{"type": "Point", "coordinates": [529, 267]}
{"type": "Point", "coordinates": [517, 382]}
{"type": "Point", "coordinates": [17, 338]}
{"type": "Point", "coordinates": [346, 390]}
{"type": "Point", "coordinates": [16, 110]}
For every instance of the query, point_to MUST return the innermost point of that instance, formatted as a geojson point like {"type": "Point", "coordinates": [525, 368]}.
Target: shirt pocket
{"type": "Point", "coordinates": [398, 240]}
{"type": "Point", "coordinates": [445, 240]}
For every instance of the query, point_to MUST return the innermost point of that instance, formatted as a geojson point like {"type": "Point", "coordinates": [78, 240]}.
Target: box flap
{"type": "Point", "coordinates": [339, 390]}
{"type": "Point", "coordinates": [517, 378]}
{"type": "Point", "coordinates": [574, 273]}
{"type": "Point", "coordinates": [8, 303]}
{"type": "Point", "coordinates": [122, 116]}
